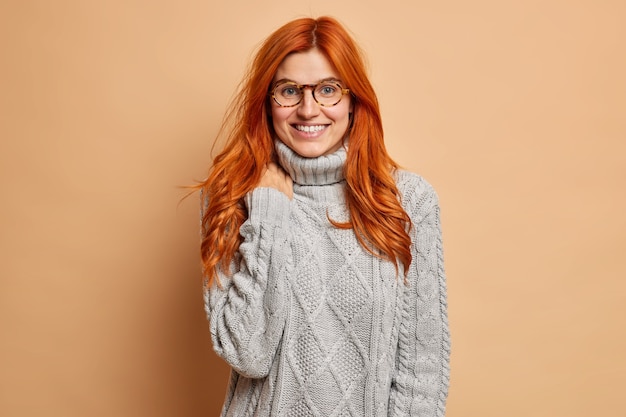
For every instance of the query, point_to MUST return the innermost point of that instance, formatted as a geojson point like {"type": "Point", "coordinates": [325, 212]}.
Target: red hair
{"type": "Point", "coordinates": [376, 215]}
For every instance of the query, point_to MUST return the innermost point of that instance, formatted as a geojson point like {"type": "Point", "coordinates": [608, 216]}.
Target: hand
{"type": "Point", "coordinates": [275, 177]}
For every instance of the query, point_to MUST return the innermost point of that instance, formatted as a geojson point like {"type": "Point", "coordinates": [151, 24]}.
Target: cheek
{"type": "Point", "coordinates": [345, 109]}
{"type": "Point", "coordinates": [279, 115]}
{"type": "Point", "coordinates": [279, 123]}
{"type": "Point", "coordinates": [341, 115]}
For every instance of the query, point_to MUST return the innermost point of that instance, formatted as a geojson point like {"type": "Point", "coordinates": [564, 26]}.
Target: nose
{"type": "Point", "coordinates": [308, 107]}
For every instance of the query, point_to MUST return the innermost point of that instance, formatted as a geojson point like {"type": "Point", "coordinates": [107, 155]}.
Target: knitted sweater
{"type": "Point", "coordinates": [312, 324]}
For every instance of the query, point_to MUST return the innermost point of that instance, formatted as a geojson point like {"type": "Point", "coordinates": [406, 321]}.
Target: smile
{"type": "Point", "coordinates": [309, 129]}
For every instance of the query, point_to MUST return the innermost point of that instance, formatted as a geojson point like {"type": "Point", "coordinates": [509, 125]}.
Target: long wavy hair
{"type": "Point", "coordinates": [379, 222]}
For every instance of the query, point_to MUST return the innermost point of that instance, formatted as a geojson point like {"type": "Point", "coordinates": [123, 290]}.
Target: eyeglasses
{"type": "Point", "coordinates": [326, 93]}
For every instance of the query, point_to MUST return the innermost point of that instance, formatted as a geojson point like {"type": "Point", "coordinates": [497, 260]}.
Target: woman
{"type": "Point", "coordinates": [323, 260]}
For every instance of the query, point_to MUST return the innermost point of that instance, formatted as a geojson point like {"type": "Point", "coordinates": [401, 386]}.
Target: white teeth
{"type": "Point", "coordinates": [309, 129]}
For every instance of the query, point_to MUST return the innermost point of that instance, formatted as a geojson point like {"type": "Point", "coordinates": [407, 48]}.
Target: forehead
{"type": "Point", "coordinates": [305, 67]}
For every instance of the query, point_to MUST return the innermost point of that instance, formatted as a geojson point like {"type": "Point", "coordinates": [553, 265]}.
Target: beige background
{"type": "Point", "coordinates": [514, 110]}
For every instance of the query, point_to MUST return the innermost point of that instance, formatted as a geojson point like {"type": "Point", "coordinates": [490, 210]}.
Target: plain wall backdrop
{"type": "Point", "coordinates": [514, 110]}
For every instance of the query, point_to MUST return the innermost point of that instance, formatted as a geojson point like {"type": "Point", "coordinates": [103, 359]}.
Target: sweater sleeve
{"type": "Point", "coordinates": [247, 313]}
{"type": "Point", "coordinates": [420, 386]}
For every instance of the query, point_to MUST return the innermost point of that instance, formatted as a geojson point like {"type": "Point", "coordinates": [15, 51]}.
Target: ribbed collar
{"type": "Point", "coordinates": [323, 170]}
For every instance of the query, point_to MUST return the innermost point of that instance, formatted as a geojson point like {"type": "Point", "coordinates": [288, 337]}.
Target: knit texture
{"type": "Point", "coordinates": [312, 324]}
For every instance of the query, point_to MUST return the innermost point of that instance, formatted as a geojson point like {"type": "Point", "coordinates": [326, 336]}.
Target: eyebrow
{"type": "Point", "coordinates": [329, 79]}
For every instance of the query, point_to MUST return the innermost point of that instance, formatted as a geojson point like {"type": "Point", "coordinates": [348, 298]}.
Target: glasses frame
{"type": "Point", "coordinates": [313, 87]}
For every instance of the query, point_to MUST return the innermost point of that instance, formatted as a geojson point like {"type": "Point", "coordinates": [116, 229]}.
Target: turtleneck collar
{"type": "Point", "coordinates": [323, 170]}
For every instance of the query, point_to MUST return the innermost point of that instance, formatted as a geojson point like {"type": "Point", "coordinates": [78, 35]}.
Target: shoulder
{"type": "Point", "coordinates": [417, 195]}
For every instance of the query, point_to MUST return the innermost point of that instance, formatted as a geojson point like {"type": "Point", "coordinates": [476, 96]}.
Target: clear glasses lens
{"type": "Point", "coordinates": [289, 94]}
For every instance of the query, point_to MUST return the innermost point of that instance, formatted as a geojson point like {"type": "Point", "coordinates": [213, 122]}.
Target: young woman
{"type": "Point", "coordinates": [325, 287]}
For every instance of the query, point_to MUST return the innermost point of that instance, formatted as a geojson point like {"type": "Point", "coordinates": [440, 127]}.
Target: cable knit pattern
{"type": "Point", "coordinates": [313, 325]}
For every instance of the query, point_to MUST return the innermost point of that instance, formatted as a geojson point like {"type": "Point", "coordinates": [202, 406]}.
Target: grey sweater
{"type": "Point", "coordinates": [312, 324]}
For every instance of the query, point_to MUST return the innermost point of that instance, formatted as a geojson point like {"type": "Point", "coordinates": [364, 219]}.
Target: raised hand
{"type": "Point", "coordinates": [275, 177]}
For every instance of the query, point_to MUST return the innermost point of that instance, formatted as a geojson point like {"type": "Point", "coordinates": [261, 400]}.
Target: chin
{"type": "Point", "coordinates": [311, 152]}
{"type": "Point", "coordinates": [307, 153]}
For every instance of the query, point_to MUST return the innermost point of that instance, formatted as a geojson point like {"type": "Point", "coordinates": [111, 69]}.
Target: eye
{"type": "Point", "coordinates": [289, 91]}
{"type": "Point", "coordinates": [327, 90]}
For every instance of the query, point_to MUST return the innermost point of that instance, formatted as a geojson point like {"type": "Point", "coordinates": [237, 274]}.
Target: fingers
{"type": "Point", "coordinates": [275, 177]}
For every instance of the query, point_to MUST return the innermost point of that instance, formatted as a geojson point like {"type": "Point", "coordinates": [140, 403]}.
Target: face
{"type": "Point", "coordinates": [309, 129]}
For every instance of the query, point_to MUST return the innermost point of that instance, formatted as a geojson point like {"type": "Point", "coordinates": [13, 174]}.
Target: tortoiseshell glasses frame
{"type": "Point", "coordinates": [326, 93]}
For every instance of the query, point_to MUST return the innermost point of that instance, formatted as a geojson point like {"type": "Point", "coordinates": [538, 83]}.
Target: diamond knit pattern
{"type": "Point", "coordinates": [326, 353]}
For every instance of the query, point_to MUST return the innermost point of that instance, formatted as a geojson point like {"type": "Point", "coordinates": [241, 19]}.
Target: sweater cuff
{"type": "Point", "coordinates": [266, 204]}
